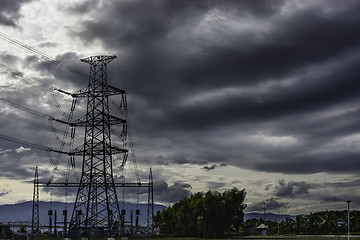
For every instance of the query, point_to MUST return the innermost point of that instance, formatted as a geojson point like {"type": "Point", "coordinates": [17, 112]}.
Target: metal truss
{"type": "Point", "coordinates": [96, 207]}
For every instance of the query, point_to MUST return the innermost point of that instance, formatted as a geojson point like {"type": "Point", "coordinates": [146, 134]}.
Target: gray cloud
{"type": "Point", "coordinates": [169, 194]}
{"type": "Point", "coordinates": [213, 186]}
{"type": "Point", "coordinates": [270, 204]}
{"type": "Point", "coordinates": [291, 189]}
{"type": "Point", "coordinates": [269, 86]}
{"type": "Point", "coordinates": [10, 11]}
{"type": "Point", "coordinates": [295, 80]}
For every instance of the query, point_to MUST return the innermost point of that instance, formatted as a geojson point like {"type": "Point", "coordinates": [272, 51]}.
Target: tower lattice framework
{"type": "Point", "coordinates": [96, 207]}
{"type": "Point", "coordinates": [35, 224]}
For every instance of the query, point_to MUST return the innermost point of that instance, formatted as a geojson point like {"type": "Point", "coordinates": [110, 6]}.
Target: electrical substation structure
{"type": "Point", "coordinates": [96, 211]}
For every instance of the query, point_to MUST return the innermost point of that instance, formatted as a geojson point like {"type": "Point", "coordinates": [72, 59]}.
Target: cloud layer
{"type": "Point", "coordinates": [266, 86]}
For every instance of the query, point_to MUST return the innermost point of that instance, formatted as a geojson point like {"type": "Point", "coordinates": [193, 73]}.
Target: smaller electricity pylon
{"type": "Point", "coordinates": [150, 213]}
{"type": "Point", "coordinates": [120, 229]}
{"type": "Point", "coordinates": [35, 224]}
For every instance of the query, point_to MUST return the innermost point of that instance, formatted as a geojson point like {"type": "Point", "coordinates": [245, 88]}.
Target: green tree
{"type": "Point", "coordinates": [204, 214]}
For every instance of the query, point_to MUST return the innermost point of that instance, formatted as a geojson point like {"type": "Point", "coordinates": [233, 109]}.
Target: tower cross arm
{"type": "Point", "coordinates": [81, 93]}
{"type": "Point", "coordinates": [117, 150]}
{"type": "Point", "coordinates": [101, 58]}
{"type": "Point", "coordinates": [114, 90]}
{"type": "Point", "coordinates": [77, 151]}
{"type": "Point", "coordinates": [112, 120]}
{"type": "Point", "coordinates": [115, 120]}
{"type": "Point", "coordinates": [85, 92]}
{"type": "Point", "coordinates": [64, 92]}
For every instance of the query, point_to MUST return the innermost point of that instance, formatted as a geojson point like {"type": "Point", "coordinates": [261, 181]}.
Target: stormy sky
{"type": "Point", "coordinates": [255, 94]}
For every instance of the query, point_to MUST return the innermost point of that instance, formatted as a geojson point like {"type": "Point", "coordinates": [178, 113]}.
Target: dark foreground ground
{"type": "Point", "coordinates": [302, 237]}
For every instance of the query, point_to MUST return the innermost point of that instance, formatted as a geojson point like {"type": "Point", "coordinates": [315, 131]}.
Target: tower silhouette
{"type": "Point", "coordinates": [96, 209]}
{"type": "Point", "coordinates": [35, 224]}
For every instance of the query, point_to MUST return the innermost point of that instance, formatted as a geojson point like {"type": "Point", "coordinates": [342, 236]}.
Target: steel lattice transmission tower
{"type": "Point", "coordinates": [35, 225]}
{"type": "Point", "coordinates": [96, 209]}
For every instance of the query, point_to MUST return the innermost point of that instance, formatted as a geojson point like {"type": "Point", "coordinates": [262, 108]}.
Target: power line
{"type": "Point", "coordinates": [29, 144]}
{"type": "Point", "coordinates": [45, 86]}
{"type": "Point", "coordinates": [18, 106]}
{"type": "Point", "coordinates": [20, 75]}
{"type": "Point", "coordinates": [41, 54]}
{"type": "Point", "coordinates": [39, 114]}
{"type": "Point", "coordinates": [29, 121]}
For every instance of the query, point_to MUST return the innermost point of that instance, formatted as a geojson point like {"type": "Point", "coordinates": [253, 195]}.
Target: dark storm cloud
{"type": "Point", "coordinates": [332, 199]}
{"type": "Point", "coordinates": [347, 184]}
{"type": "Point", "coordinates": [142, 21]}
{"type": "Point", "coordinates": [169, 194]}
{"type": "Point", "coordinates": [145, 29]}
{"type": "Point", "coordinates": [8, 59]}
{"type": "Point", "coordinates": [18, 161]}
{"type": "Point", "coordinates": [291, 189]}
{"type": "Point", "coordinates": [82, 7]}
{"type": "Point", "coordinates": [308, 95]}
{"type": "Point", "coordinates": [18, 170]}
{"type": "Point", "coordinates": [270, 204]}
{"type": "Point", "coordinates": [251, 66]}
{"type": "Point", "coordinates": [10, 11]}
{"type": "Point", "coordinates": [294, 44]}
{"type": "Point", "coordinates": [341, 161]}
{"type": "Point", "coordinates": [340, 199]}
{"type": "Point", "coordinates": [55, 69]}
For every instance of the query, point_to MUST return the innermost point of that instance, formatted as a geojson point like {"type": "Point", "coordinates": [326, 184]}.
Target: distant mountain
{"type": "Point", "coordinates": [268, 216]}
{"type": "Point", "coordinates": [22, 212]}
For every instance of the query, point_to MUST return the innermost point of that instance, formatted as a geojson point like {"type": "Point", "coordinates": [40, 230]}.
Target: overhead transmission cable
{"type": "Point", "coordinates": [45, 86]}
{"type": "Point", "coordinates": [34, 123]}
{"type": "Point", "coordinates": [69, 116]}
{"type": "Point", "coordinates": [74, 70]}
{"type": "Point", "coordinates": [39, 114]}
{"type": "Point", "coordinates": [41, 54]}
{"type": "Point", "coordinates": [63, 141]}
{"type": "Point", "coordinates": [30, 121]}
{"type": "Point", "coordinates": [29, 144]}
{"type": "Point", "coordinates": [19, 74]}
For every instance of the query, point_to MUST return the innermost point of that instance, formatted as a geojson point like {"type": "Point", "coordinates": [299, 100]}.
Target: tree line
{"type": "Point", "coordinates": [214, 214]}
{"type": "Point", "coordinates": [321, 223]}
{"type": "Point", "coordinates": [204, 214]}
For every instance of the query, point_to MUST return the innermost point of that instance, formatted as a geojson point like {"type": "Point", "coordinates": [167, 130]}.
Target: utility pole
{"type": "Point", "coordinates": [348, 218]}
{"type": "Point", "coordinates": [278, 223]}
{"type": "Point", "coordinates": [264, 211]}
{"type": "Point", "coordinates": [96, 211]}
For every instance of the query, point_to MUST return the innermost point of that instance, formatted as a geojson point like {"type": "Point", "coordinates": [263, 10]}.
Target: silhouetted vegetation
{"type": "Point", "coordinates": [204, 214]}
{"type": "Point", "coordinates": [215, 214]}
{"type": "Point", "coordinates": [321, 223]}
